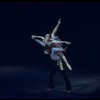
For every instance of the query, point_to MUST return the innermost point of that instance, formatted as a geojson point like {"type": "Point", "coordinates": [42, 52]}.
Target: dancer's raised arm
{"type": "Point", "coordinates": [56, 28]}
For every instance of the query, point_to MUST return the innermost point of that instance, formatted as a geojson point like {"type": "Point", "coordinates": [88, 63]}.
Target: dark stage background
{"type": "Point", "coordinates": [80, 25]}
{"type": "Point", "coordinates": [24, 68]}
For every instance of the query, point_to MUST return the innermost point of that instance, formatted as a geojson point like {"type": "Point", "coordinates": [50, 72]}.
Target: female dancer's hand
{"type": "Point", "coordinates": [59, 21]}
{"type": "Point", "coordinates": [33, 37]}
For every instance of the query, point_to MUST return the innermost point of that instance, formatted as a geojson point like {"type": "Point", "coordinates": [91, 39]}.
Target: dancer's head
{"type": "Point", "coordinates": [47, 36]}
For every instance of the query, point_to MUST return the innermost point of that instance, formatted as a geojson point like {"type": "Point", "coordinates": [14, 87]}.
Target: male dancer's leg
{"type": "Point", "coordinates": [51, 76]}
{"type": "Point", "coordinates": [64, 75]}
{"type": "Point", "coordinates": [68, 85]}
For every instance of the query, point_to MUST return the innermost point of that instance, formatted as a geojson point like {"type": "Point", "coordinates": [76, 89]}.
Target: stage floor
{"type": "Point", "coordinates": [32, 82]}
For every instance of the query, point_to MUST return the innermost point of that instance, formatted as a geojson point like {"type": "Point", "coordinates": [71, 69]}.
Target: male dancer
{"type": "Point", "coordinates": [55, 56]}
{"type": "Point", "coordinates": [54, 53]}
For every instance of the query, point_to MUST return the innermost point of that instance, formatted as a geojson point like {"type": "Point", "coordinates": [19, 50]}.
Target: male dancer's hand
{"type": "Point", "coordinates": [47, 51]}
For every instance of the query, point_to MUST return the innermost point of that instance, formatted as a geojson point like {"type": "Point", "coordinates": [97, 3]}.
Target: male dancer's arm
{"type": "Point", "coordinates": [56, 28]}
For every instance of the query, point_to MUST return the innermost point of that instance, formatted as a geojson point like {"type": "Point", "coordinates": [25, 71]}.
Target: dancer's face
{"type": "Point", "coordinates": [47, 37]}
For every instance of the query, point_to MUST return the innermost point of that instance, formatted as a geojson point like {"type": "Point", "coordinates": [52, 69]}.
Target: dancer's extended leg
{"type": "Point", "coordinates": [68, 65]}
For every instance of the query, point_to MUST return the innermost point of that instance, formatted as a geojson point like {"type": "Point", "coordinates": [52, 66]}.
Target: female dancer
{"type": "Point", "coordinates": [50, 39]}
